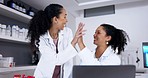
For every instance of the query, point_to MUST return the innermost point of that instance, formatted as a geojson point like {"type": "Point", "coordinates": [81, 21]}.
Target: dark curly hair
{"type": "Point", "coordinates": [118, 37]}
{"type": "Point", "coordinates": [41, 22]}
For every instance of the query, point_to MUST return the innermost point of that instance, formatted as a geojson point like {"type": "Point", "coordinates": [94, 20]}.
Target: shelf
{"type": "Point", "coordinates": [12, 69]}
{"type": "Point", "coordinates": [11, 39]}
{"type": "Point", "coordinates": [14, 14]}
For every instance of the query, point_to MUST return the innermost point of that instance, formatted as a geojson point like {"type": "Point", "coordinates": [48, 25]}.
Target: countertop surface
{"type": "Point", "coordinates": [19, 68]}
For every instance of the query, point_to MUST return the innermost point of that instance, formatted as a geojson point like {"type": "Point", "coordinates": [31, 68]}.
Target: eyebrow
{"type": "Point", "coordinates": [96, 31]}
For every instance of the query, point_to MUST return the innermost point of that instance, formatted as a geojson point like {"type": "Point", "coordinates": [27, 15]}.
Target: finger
{"type": "Point", "coordinates": [79, 32]}
{"type": "Point", "coordinates": [82, 31]}
{"type": "Point", "coordinates": [81, 25]}
{"type": "Point", "coordinates": [81, 28]}
{"type": "Point", "coordinates": [80, 35]}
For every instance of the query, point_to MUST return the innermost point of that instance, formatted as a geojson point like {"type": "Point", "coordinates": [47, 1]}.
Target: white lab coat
{"type": "Point", "coordinates": [107, 58]}
{"type": "Point", "coordinates": [49, 59]}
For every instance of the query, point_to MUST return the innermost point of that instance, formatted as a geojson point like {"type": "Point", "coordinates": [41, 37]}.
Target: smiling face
{"type": "Point", "coordinates": [61, 20]}
{"type": "Point", "coordinates": [100, 37]}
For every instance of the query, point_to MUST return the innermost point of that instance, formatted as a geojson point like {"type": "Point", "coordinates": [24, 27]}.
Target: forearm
{"type": "Point", "coordinates": [81, 45]}
{"type": "Point", "coordinates": [73, 42]}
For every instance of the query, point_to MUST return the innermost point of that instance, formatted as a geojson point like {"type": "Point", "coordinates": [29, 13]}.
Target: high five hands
{"type": "Point", "coordinates": [78, 35]}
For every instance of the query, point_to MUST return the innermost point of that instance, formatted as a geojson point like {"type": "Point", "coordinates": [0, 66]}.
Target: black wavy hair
{"type": "Point", "coordinates": [118, 37]}
{"type": "Point", "coordinates": [41, 22]}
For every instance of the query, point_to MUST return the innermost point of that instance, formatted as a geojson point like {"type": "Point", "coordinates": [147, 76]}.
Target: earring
{"type": "Point", "coordinates": [107, 42]}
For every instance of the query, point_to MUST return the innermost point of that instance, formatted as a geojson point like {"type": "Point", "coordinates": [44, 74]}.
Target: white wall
{"type": "Point", "coordinates": [71, 22]}
{"type": "Point", "coordinates": [131, 17]}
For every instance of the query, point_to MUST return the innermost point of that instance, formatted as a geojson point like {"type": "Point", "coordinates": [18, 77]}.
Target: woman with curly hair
{"type": "Point", "coordinates": [110, 41]}
{"type": "Point", "coordinates": [54, 41]}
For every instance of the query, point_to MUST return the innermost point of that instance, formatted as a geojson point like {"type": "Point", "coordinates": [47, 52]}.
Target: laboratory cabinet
{"type": "Point", "coordinates": [15, 47]}
{"type": "Point", "coordinates": [12, 13]}
{"type": "Point", "coordinates": [16, 15]}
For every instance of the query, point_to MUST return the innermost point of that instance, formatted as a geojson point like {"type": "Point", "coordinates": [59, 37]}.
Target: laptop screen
{"type": "Point", "coordinates": [145, 54]}
{"type": "Point", "coordinates": [118, 71]}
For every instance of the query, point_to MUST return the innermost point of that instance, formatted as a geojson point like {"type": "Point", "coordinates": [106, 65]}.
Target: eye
{"type": "Point", "coordinates": [98, 32]}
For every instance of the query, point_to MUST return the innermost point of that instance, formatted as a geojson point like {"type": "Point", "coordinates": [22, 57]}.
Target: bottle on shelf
{"type": "Point", "coordinates": [25, 35]}
{"type": "Point", "coordinates": [24, 9]}
{"type": "Point", "coordinates": [17, 32]}
{"type": "Point", "coordinates": [2, 1]}
{"type": "Point", "coordinates": [17, 76]}
{"type": "Point", "coordinates": [13, 30]}
{"type": "Point", "coordinates": [17, 6]}
{"type": "Point", "coordinates": [11, 4]}
{"type": "Point", "coordinates": [1, 56]}
{"type": "Point", "coordinates": [3, 29]}
{"type": "Point", "coordinates": [20, 7]}
{"type": "Point", "coordinates": [20, 33]}
{"type": "Point", "coordinates": [8, 31]}
{"type": "Point", "coordinates": [30, 12]}
{"type": "Point", "coordinates": [0, 29]}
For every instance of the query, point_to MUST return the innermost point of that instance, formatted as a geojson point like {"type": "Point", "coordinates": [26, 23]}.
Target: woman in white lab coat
{"type": "Point", "coordinates": [54, 41]}
{"type": "Point", "coordinates": [110, 42]}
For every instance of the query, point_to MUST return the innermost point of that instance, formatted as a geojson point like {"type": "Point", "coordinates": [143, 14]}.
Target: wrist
{"type": "Point", "coordinates": [73, 43]}
{"type": "Point", "coordinates": [81, 45]}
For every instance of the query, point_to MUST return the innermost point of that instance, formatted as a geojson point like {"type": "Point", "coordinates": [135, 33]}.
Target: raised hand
{"type": "Point", "coordinates": [78, 34]}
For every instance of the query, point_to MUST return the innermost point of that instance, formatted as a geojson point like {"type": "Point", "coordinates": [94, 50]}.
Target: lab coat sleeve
{"type": "Point", "coordinates": [47, 61]}
{"type": "Point", "coordinates": [87, 57]}
{"type": "Point", "coordinates": [69, 52]}
{"type": "Point", "coordinates": [49, 58]}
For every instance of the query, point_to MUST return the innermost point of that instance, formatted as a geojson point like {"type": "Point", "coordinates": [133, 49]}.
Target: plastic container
{"type": "Point", "coordinates": [13, 31]}
{"type": "Point", "coordinates": [8, 31]}
{"type": "Point", "coordinates": [3, 30]}
{"type": "Point", "coordinates": [6, 62]}
{"type": "Point", "coordinates": [0, 29]}
{"type": "Point", "coordinates": [2, 1]}
{"type": "Point", "coordinates": [17, 76]}
{"type": "Point", "coordinates": [1, 56]}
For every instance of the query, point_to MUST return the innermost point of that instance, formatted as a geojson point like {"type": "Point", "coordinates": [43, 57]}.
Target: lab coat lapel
{"type": "Point", "coordinates": [50, 40]}
{"type": "Point", "coordinates": [61, 34]}
{"type": "Point", "coordinates": [60, 40]}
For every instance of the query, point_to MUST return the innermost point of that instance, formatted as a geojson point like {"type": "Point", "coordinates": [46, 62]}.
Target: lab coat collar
{"type": "Point", "coordinates": [60, 34]}
{"type": "Point", "coordinates": [107, 52]}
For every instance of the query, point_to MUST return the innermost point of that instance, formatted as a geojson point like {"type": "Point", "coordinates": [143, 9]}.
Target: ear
{"type": "Point", "coordinates": [108, 38]}
{"type": "Point", "coordinates": [55, 20]}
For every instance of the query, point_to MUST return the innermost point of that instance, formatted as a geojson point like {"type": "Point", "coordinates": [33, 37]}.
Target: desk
{"type": "Point", "coordinates": [11, 71]}
{"type": "Point", "coordinates": [141, 75]}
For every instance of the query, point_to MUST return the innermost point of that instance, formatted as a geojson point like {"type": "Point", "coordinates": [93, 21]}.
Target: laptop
{"type": "Point", "coordinates": [145, 58]}
{"type": "Point", "coordinates": [112, 71]}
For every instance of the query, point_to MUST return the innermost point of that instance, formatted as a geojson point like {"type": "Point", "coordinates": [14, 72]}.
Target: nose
{"type": "Point", "coordinates": [94, 35]}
